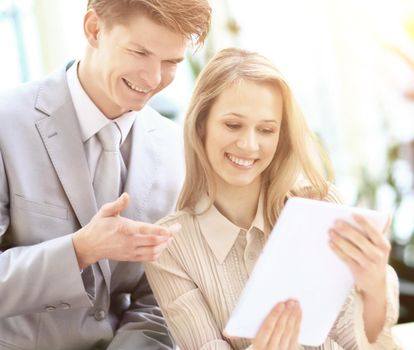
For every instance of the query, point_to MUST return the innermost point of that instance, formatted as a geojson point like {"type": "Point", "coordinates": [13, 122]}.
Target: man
{"type": "Point", "coordinates": [69, 273]}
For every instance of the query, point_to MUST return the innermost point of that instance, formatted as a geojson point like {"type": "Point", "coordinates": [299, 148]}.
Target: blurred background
{"type": "Point", "coordinates": [350, 64]}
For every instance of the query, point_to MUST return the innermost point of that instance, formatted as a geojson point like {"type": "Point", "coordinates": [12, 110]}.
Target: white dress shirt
{"type": "Point", "coordinates": [91, 120]}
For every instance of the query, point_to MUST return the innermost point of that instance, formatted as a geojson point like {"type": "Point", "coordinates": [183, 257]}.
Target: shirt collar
{"type": "Point", "coordinates": [219, 232]}
{"type": "Point", "coordinates": [91, 119]}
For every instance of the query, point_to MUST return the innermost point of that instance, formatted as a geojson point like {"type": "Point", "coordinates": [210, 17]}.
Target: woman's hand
{"type": "Point", "coordinates": [280, 329]}
{"type": "Point", "coordinates": [365, 250]}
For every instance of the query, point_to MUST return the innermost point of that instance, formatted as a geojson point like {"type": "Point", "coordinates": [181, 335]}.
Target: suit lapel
{"type": "Point", "coordinates": [62, 139]}
{"type": "Point", "coordinates": [144, 162]}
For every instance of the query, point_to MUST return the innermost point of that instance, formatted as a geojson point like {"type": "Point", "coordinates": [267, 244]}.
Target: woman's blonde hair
{"type": "Point", "coordinates": [300, 166]}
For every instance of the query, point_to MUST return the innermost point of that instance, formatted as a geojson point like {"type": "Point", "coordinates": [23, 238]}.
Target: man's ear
{"type": "Point", "coordinates": [91, 27]}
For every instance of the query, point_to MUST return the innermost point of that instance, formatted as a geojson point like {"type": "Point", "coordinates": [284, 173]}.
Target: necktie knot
{"type": "Point", "coordinates": [110, 137]}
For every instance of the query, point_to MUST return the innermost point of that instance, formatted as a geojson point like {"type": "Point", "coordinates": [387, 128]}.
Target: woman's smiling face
{"type": "Point", "coordinates": [242, 133]}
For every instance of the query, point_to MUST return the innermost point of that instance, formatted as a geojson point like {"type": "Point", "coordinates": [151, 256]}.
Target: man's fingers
{"type": "Point", "coordinates": [116, 207]}
{"type": "Point", "coordinates": [140, 240]}
{"type": "Point", "coordinates": [149, 253]}
{"type": "Point", "coordinates": [142, 228]}
{"type": "Point", "coordinates": [175, 228]}
{"type": "Point", "coordinates": [124, 239]}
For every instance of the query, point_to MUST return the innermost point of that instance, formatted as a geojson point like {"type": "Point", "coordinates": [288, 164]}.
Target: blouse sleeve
{"type": "Point", "coordinates": [186, 311]}
{"type": "Point", "coordinates": [348, 330]}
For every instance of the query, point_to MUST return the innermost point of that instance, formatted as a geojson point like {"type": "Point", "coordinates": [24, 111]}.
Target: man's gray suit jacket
{"type": "Point", "coordinates": [46, 194]}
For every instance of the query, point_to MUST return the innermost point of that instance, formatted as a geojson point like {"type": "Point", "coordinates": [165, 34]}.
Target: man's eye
{"type": "Point", "coordinates": [141, 53]}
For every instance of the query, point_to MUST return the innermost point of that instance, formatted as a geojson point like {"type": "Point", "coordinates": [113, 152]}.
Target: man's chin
{"type": "Point", "coordinates": [137, 107]}
{"type": "Point", "coordinates": [134, 106]}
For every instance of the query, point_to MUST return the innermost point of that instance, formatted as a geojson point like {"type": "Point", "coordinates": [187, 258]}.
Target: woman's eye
{"type": "Point", "coordinates": [233, 126]}
{"type": "Point", "coordinates": [267, 131]}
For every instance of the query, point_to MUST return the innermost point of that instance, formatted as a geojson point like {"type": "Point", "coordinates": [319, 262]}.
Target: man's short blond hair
{"type": "Point", "coordinates": [191, 18]}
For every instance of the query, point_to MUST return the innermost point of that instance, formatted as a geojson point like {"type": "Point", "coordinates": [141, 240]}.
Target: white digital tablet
{"type": "Point", "coordinates": [298, 263]}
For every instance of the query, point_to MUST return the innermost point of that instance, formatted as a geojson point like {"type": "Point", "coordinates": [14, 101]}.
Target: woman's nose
{"type": "Point", "coordinates": [248, 141]}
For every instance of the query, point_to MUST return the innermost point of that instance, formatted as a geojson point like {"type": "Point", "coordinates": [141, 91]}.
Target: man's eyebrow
{"type": "Point", "coordinates": [176, 60]}
{"type": "Point", "coordinates": [140, 48]}
{"type": "Point", "coordinates": [148, 52]}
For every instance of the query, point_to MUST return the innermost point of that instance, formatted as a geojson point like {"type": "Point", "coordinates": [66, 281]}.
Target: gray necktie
{"type": "Point", "coordinates": [107, 181]}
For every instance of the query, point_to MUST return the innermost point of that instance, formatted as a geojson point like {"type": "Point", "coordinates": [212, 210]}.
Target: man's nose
{"type": "Point", "coordinates": [152, 74]}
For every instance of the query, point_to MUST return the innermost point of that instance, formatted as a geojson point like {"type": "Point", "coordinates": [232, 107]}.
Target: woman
{"type": "Point", "coordinates": [248, 150]}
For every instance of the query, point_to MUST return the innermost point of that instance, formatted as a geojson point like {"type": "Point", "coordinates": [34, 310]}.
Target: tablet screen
{"type": "Point", "coordinates": [298, 263]}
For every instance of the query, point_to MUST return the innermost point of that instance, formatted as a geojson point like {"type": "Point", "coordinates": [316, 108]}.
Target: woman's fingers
{"type": "Point", "coordinates": [294, 340]}
{"type": "Point", "coordinates": [369, 229]}
{"type": "Point", "coordinates": [266, 330]}
{"type": "Point", "coordinates": [353, 235]}
{"type": "Point", "coordinates": [289, 337]}
{"type": "Point", "coordinates": [346, 248]}
{"type": "Point", "coordinates": [352, 264]}
{"type": "Point", "coordinates": [364, 249]}
{"type": "Point", "coordinates": [280, 330]}
{"type": "Point", "coordinates": [366, 239]}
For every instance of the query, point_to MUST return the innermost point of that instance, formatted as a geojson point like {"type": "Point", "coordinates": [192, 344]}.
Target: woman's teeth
{"type": "Point", "coordinates": [239, 161]}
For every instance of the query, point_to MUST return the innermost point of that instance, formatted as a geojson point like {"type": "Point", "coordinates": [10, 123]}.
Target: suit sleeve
{"type": "Point", "coordinates": [31, 278]}
{"type": "Point", "coordinates": [142, 326]}
{"type": "Point", "coordinates": [4, 200]}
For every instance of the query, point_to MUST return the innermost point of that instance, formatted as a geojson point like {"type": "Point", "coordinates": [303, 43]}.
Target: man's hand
{"type": "Point", "coordinates": [110, 236]}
